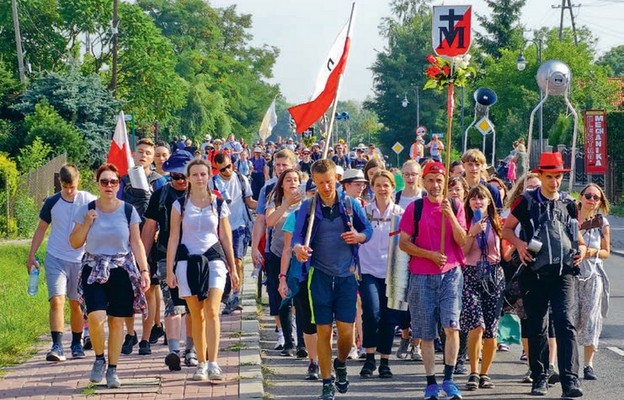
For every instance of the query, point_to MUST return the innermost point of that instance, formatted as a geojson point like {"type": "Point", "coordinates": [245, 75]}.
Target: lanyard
{"type": "Point", "coordinates": [483, 239]}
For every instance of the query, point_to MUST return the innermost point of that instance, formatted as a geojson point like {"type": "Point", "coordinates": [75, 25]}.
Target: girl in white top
{"type": "Point", "coordinates": [203, 233]}
{"type": "Point", "coordinates": [413, 184]}
{"type": "Point", "coordinates": [592, 283]}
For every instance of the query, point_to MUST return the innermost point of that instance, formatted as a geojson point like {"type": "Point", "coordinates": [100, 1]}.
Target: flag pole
{"type": "Point", "coordinates": [328, 136]}
{"type": "Point", "coordinates": [449, 124]}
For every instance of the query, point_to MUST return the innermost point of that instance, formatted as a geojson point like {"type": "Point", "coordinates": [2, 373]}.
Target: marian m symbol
{"type": "Point", "coordinates": [449, 33]}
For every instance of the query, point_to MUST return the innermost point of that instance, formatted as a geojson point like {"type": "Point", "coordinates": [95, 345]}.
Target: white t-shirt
{"type": "Point", "coordinates": [373, 254]}
{"type": "Point", "coordinates": [405, 201]}
{"type": "Point", "coordinates": [199, 225]}
{"type": "Point", "coordinates": [59, 214]}
{"type": "Point", "coordinates": [110, 234]}
{"type": "Point", "coordinates": [233, 195]}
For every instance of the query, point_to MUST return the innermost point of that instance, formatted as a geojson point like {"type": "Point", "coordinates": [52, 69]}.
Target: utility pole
{"type": "Point", "coordinates": [18, 42]}
{"type": "Point", "coordinates": [115, 32]}
{"type": "Point", "coordinates": [567, 4]}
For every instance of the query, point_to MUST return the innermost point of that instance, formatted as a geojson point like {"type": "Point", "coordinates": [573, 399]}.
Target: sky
{"type": "Point", "coordinates": [304, 30]}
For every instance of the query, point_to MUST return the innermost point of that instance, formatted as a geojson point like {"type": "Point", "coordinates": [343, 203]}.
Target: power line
{"type": "Point", "coordinates": [567, 5]}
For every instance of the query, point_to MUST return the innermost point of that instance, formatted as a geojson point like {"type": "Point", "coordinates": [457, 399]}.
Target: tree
{"type": "Point", "coordinates": [614, 58]}
{"type": "Point", "coordinates": [33, 156]}
{"type": "Point", "coordinates": [502, 25]}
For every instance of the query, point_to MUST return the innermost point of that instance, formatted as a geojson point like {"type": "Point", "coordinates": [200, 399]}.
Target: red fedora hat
{"type": "Point", "coordinates": [551, 162]}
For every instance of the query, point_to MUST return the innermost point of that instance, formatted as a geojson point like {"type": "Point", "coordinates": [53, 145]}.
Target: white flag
{"type": "Point", "coordinates": [268, 122]}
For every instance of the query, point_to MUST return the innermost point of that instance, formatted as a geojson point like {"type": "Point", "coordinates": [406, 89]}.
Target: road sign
{"type": "Point", "coordinates": [421, 131]}
{"type": "Point", "coordinates": [484, 126]}
{"type": "Point", "coordinates": [451, 33]}
{"type": "Point", "coordinates": [397, 148]}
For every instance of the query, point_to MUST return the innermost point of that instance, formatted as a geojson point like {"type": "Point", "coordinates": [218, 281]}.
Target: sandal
{"type": "Point", "coordinates": [368, 369]}
{"type": "Point", "coordinates": [473, 382]}
{"type": "Point", "coordinates": [485, 382]}
{"type": "Point", "coordinates": [384, 372]}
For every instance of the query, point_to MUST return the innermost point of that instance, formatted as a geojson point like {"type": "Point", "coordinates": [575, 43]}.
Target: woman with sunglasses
{"type": "Point", "coordinates": [484, 282]}
{"type": "Point", "coordinates": [592, 285]}
{"type": "Point", "coordinates": [200, 243]}
{"type": "Point", "coordinates": [110, 283]}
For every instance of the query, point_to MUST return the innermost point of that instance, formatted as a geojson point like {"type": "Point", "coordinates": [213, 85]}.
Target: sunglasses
{"type": "Point", "coordinates": [177, 177]}
{"type": "Point", "coordinates": [106, 182]}
{"type": "Point", "coordinates": [590, 196]}
{"type": "Point", "coordinates": [225, 168]}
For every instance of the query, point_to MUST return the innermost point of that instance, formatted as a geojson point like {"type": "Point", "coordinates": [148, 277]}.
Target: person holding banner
{"type": "Point", "coordinates": [330, 259]}
{"type": "Point", "coordinates": [436, 281]}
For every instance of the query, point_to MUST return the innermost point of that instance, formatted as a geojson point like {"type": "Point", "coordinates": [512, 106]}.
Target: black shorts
{"type": "Point", "coordinates": [115, 296]}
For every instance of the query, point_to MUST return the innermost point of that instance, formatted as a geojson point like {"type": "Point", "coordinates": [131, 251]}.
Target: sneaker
{"type": "Point", "coordinates": [523, 356]}
{"type": "Point", "coordinates": [227, 310]}
{"type": "Point", "coordinates": [540, 387]}
{"type": "Point", "coordinates": [503, 347]}
{"type": "Point", "coordinates": [451, 390]}
{"type": "Point", "coordinates": [56, 353]}
{"type": "Point", "coordinates": [572, 388]}
{"type": "Point", "coordinates": [342, 383]}
{"type": "Point", "coordinates": [87, 345]}
{"type": "Point", "coordinates": [362, 354]}
{"type": "Point", "coordinates": [302, 352]}
{"type": "Point", "coordinates": [403, 349]}
{"type": "Point", "coordinates": [129, 343]}
{"type": "Point", "coordinates": [432, 392]}
{"type": "Point", "coordinates": [367, 369]}
{"type": "Point", "coordinates": [97, 371]}
{"type": "Point", "coordinates": [588, 373]}
{"type": "Point", "coordinates": [202, 372]}
{"type": "Point", "coordinates": [416, 353]}
{"type": "Point", "coordinates": [460, 369]}
{"type": "Point", "coordinates": [156, 333]}
{"type": "Point", "coordinates": [215, 373]}
{"type": "Point", "coordinates": [385, 372]}
{"type": "Point", "coordinates": [144, 348]}
{"type": "Point", "coordinates": [313, 372]}
{"type": "Point", "coordinates": [190, 358]}
{"type": "Point", "coordinates": [328, 393]}
{"type": "Point", "coordinates": [279, 344]}
{"type": "Point", "coordinates": [473, 382]}
{"type": "Point", "coordinates": [288, 351]}
{"type": "Point", "coordinates": [485, 382]}
{"type": "Point", "coordinates": [353, 354]}
{"type": "Point", "coordinates": [553, 376]}
{"type": "Point", "coordinates": [527, 377]}
{"type": "Point", "coordinates": [77, 351]}
{"type": "Point", "coordinates": [112, 380]}
{"type": "Point", "coordinates": [172, 360]}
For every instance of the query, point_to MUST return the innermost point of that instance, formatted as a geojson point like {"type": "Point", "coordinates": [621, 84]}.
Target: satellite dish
{"type": "Point", "coordinates": [554, 77]}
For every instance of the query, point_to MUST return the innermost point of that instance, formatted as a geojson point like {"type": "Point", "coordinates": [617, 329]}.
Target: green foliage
{"type": "Point", "coordinates": [561, 131]}
{"type": "Point", "coordinates": [9, 88]}
{"type": "Point", "coordinates": [26, 214]}
{"type": "Point", "coordinates": [33, 155]}
{"type": "Point", "coordinates": [502, 26]}
{"type": "Point", "coordinates": [8, 175]}
{"type": "Point", "coordinates": [205, 113]}
{"type": "Point", "coordinates": [45, 123]}
{"type": "Point", "coordinates": [615, 135]}
{"type": "Point", "coordinates": [363, 124]}
{"type": "Point", "coordinates": [614, 58]}
{"type": "Point", "coordinates": [10, 140]}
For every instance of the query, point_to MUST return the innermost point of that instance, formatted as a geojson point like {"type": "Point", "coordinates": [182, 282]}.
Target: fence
{"type": "Point", "coordinates": [43, 181]}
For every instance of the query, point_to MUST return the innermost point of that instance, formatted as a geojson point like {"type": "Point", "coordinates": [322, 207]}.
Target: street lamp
{"type": "Point", "coordinates": [405, 103]}
{"type": "Point", "coordinates": [521, 65]}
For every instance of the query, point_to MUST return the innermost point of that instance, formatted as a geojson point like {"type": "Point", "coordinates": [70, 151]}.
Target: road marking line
{"type": "Point", "coordinates": [616, 350]}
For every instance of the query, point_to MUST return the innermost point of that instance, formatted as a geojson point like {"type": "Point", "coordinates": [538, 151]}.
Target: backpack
{"type": "Point", "coordinates": [555, 229]}
{"type": "Point", "coordinates": [418, 208]}
{"type": "Point", "coordinates": [139, 198]}
{"type": "Point", "coordinates": [162, 210]}
{"type": "Point", "coordinates": [182, 201]}
{"type": "Point", "coordinates": [127, 210]}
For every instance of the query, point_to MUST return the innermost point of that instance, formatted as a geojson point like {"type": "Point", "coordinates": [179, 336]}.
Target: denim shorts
{"type": "Point", "coordinates": [332, 297]}
{"type": "Point", "coordinates": [62, 277]}
{"type": "Point", "coordinates": [435, 299]}
{"type": "Point", "coordinates": [240, 242]}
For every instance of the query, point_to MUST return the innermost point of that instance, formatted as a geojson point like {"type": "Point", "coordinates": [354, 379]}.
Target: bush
{"type": "Point", "coordinates": [26, 215]}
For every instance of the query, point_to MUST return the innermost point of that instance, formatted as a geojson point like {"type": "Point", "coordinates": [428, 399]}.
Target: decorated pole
{"type": "Point", "coordinates": [451, 39]}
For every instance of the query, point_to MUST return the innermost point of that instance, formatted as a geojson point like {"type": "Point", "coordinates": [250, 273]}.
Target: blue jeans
{"type": "Point", "coordinates": [377, 318]}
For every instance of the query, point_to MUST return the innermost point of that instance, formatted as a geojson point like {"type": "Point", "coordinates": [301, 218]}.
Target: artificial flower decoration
{"type": "Point", "coordinates": [441, 75]}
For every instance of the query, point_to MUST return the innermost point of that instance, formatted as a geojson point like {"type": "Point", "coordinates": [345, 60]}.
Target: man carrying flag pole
{"type": "Point", "coordinates": [328, 229]}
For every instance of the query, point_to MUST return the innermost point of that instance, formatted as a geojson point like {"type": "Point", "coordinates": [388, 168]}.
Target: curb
{"type": "Point", "coordinates": [617, 252]}
{"type": "Point", "coordinates": [251, 385]}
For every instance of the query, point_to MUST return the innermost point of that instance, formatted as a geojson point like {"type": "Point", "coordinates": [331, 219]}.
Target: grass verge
{"type": "Point", "coordinates": [23, 318]}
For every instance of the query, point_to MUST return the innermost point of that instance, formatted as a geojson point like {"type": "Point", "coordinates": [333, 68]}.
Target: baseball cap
{"type": "Point", "coordinates": [434, 167]}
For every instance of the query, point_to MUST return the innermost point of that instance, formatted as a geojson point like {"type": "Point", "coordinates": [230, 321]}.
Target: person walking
{"type": "Point", "coordinates": [200, 244]}
{"type": "Point", "coordinates": [592, 284]}
{"type": "Point", "coordinates": [62, 261]}
{"type": "Point", "coordinates": [339, 225]}
{"type": "Point", "coordinates": [114, 274]}
{"type": "Point", "coordinates": [552, 248]}
{"type": "Point", "coordinates": [434, 291]}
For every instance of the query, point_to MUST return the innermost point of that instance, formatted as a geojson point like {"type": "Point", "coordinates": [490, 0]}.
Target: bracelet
{"type": "Point", "coordinates": [145, 270]}
{"type": "Point", "coordinates": [280, 276]}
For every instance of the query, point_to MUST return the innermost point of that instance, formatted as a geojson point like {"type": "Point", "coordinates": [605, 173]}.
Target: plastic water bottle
{"type": "Point", "coordinates": [33, 280]}
{"type": "Point", "coordinates": [256, 271]}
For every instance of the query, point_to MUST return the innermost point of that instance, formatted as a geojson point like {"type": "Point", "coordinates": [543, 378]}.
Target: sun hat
{"type": "Point", "coordinates": [551, 162]}
{"type": "Point", "coordinates": [339, 170]}
{"type": "Point", "coordinates": [257, 150]}
{"type": "Point", "coordinates": [178, 162]}
{"type": "Point", "coordinates": [353, 175]}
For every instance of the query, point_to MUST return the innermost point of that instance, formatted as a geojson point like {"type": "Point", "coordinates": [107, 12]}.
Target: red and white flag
{"type": "Point", "coordinates": [326, 85]}
{"type": "Point", "coordinates": [120, 153]}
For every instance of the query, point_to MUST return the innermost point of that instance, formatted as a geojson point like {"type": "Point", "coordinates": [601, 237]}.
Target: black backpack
{"type": "Point", "coordinates": [418, 208]}
{"type": "Point", "coordinates": [139, 198]}
{"type": "Point", "coordinates": [127, 210]}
